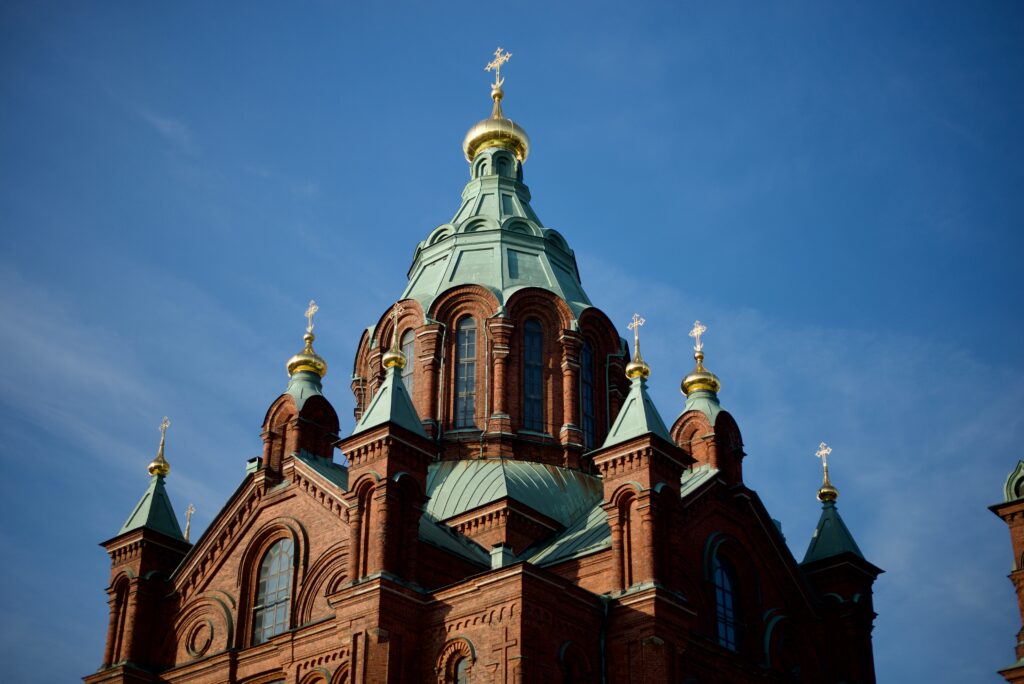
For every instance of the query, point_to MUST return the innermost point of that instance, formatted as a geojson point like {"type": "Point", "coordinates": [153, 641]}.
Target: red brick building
{"type": "Point", "coordinates": [510, 506]}
{"type": "Point", "coordinates": [1011, 510]}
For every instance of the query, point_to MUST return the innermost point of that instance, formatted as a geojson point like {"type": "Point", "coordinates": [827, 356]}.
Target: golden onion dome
{"type": "Point", "coordinates": [496, 131]}
{"type": "Point", "coordinates": [393, 358]}
{"type": "Point", "coordinates": [701, 378]}
{"type": "Point", "coordinates": [159, 465]}
{"type": "Point", "coordinates": [638, 368]}
{"type": "Point", "coordinates": [827, 491]}
{"type": "Point", "coordinates": [307, 359]}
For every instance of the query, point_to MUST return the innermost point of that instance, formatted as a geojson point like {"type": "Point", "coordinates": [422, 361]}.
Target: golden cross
{"type": "Point", "coordinates": [635, 327]}
{"type": "Point", "coordinates": [396, 311]}
{"type": "Point", "coordinates": [698, 330]}
{"type": "Point", "coordinates": [188, 519]}
{"type": "Point", "coordinates": [500, 57]}
{"type": "Point", "coordinates": [823, 451]}
{"type": "Point", "coordinates": [310, 312]}
{"type": "Point", "coordinates": [163, 428]}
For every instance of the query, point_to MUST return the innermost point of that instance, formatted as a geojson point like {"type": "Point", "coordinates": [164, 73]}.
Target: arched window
{"type": "Point", "coordinates": [270, 612]}
{"type": "Point", "coordinates": [725, 603]}
{"type": "Point", "coordinates": [465, 374]}
{"type": "Point", "coordinates": [409, 351]}
{"type": "Point", "coordinates": [461, 674]}
{"type": "Point", "coordinates": [533, 376]}
{"type": "Point", "coordinates": [587, 395]}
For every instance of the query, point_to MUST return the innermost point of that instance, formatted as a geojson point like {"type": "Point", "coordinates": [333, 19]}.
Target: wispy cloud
{"type": "Point", "coordinates": [175, 131]}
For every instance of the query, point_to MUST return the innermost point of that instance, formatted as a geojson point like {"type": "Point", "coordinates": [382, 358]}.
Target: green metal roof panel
{"type": "Point", "coordinates": [589, 534]}
{"type": "Point", "coordinates": [154, 512]}
{"type": "Point", "coordinates": [302, 386]}
{"type": "Point", "coordinates": [331, 471]}
{"type": "Point", "coordinates": [693, 478]}
{"type": "Point", "coordinates": [562, 494]}
{"type": "Point", "coordinates": [444, 537]}
{"type": "Point", "coordinates": [637, 417]}
{"type": "Point", "coordinates": [831, 536]}
{"type": "Point", "coordinates": [704, 401]}
{"type": "Point", "coordinates": [391, 404]}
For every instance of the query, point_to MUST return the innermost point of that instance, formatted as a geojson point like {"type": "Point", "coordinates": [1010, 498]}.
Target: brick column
{"type": "Point", "coordinates": [500, 330]}
{"type": "Point", "coordinates": [645, 566]}
{"type": "Point", "coordinates": [572, 343]}
{"type": "Point", "coordinates": [429, 338]}
{"type": "Point", "coordinates": [354, 550]}
{"type": "Point", "coordinates": [380, 501]}
{"type": "Point", "coordinates": [615, 526]}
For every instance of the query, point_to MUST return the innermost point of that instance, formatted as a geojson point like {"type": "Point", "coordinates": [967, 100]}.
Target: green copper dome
{"type": "Point", "coordinates": [495, 240]}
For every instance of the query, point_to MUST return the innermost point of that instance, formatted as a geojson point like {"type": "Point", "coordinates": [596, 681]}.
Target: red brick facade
{"type": "Point", "coordinates": [372, 601]}
{"type": "Point", "coordinates": [1012, 513]}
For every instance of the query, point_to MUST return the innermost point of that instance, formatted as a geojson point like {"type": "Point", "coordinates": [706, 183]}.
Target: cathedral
{"type": "Point", "coordinates": [509, 507]}
{"type": "Point", "coordinates": [1011, 510]}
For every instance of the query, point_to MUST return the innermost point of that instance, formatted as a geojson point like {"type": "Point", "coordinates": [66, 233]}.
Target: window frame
{"type": "Point", "coordinates": [407, 343]}
{"type": "Point", "coordinates": [259, 633]}
{"type": "Point", "coordinates": [464, 379]}
{"type": "Point", "coordinates": [533, 376]}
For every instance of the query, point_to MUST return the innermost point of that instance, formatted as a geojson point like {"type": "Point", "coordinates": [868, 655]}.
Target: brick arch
{"type": "Point", "coordinates": [324, 576]}
{"type": "Point", "coordinates": [317, 675]}
{"type": "Point", "coordinates": [451, 653]}
{"type": "Point", "coordinates": [574, 665]}
{"type": "Point", "coordinates": [611, 385]}
{"type": "Point", "coordinates": [688, 432]}
{"type": "Point", "coordinates": [341, 675]}
{"type": "Point", "coordinates": [203, 626]}
{"type": "Point", "coordinates": [746, 589]}
{"type": "Point", "coordinates": [277, 426]}
{"type": "Point", "coordinates": [360, 384]}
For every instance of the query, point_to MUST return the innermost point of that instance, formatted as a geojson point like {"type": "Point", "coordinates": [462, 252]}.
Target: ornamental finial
{"type": "Point", "coordinates": [827, 492]}
{"type": "Point", "coordinates": [188, 519]}
{"type": "Point", "coordinates": [394, 356]}
{"type": "Point", "coordinates": [310, 312]}
{"type": "Point", "coordinates": [700, 378]}
{"type": "Point", "coordinates": [637, 367]}
{"type": "Point", "coordinates": [159, 465]}
{"type": "Point", "coordinates": [500, 57]}
{"type": "Point", "coordinates": [307, 359]}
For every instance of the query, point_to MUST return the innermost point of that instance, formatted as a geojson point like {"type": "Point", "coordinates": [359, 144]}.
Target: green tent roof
{"type": "Point", "coordinates": [705, 401]}
{"type": "Point", "coordinates": [637, 417]}
{"type": "Point", "coordinates": [154, 512]}
{"type": "Point", "coordinates": [302, 386]}
{"type": "Point", "coordinates": [831, 537]}
{"type": "Point", "coordinates": [391, 404]}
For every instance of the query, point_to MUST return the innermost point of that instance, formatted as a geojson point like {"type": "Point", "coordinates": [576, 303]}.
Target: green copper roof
{"type": "Point", "coordinates": [637, 417]}
{"type": "Point", "coordinates": [495, 240]}
{"type": "Point", "coordinates": [154, 512]}
{"type": "Point", "coordinates": [562, 494]}
{"type": "Point", "coordinates": [831, 537]}
{"type": "Point", "coordinates": [704, 401]}
{"type": "Point", "coordinates": [391, 404]}
{"type": "Point", "coordinates": [303, 385]}
{"type": "Point", "coordinates": [1014, 487]}
{"type": "Point", "coordinates": [588, 534]}
{"type": "Point", "coordinates": [331, 471]}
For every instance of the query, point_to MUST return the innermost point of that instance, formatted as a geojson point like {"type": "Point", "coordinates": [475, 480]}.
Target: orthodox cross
{"type": "Point", "coordinates": [823, 451]}
{"type": "Point", "coordinates": [310, 312]}
{"type": "Point", "coordinates": [635, 327]}
{"type": "Point", "coordinates": [396, 311]}
{"type": "Point", "coordinates": [500, 57]}
{"type": "Point", "coordinates": [164, 424]}
{"type": "Point", "coordinates": [698, 330]}
{"type": "Point", "coordinates": [188, 519]}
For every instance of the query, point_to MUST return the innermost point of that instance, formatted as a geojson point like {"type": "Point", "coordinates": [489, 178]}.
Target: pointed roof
{"type": "Point", "coordinates": [391, 404]}
{"type": "Point", "coordinates": [302, 385]}
{"type": "Point", "coordinates": [154, 512]}
{"type": "Point", "coordinates": [637, 417]}
{"type": "Point", "coordinates": [831, 537]}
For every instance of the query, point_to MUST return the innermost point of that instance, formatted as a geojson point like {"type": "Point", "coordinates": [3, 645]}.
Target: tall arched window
{"type": "Point", "coordinates": [725, 603]}
{"type": "Point", "coordinates": [587, 395]}
{"type": "Point", "coordinates": [461, 671]}
{"type": "Point", "coordinates": [465, 373]}
{"type": "Point", "coordinates": [270, 613]}
{"type": "Point", "coordinates": [533, 376]}
{"type": "Point", "coordinates": [409, 351]}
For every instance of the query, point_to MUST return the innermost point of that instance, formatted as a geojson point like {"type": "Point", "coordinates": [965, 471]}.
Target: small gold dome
{"type": "Point", "coordinates": [496, 131]}
{"type": "Point", "coordinates": [638, 368]}
{"type": "Point", "coordinates": [393, 358]}
{"type": "Point", "coordinates": [159, 465]}
{"type": "Point", "coordinates": [307, 359]}
{"type": "Point", "coordinates": [701, 378]}
{"type": "Point", "coordinates": [827, 492]}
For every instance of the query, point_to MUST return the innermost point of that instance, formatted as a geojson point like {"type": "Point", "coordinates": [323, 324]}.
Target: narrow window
{"type": "Point", "coordinates": [725, 607]}
{"type": "Point", "coordinates": [462, 671]}
{"type": "Point", "coordinates": [465, 374]}
{"type": "Point", "coordinates": [273, 593]}
{"type": "Point", "coordinates": [409, 351]}
{"type": "Point", "coordinates": [533, 376]}
{"type": "Point", "coordinates": [587, 395]}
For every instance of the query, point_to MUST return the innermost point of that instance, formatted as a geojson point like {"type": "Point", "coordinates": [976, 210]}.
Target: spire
{"type": "Point", "coordinates": [701, 386]}
{"type": "Point", "coordinates": [392, 403]}
{"type": "Point", "coordinates": [831, 536]}
{"type": "Point", "coordinates": [638, 415]}
{"type": "Point", "coordinates": [154, 510]}
{"type": "Point", "coordinates": [497, 131]}
{"type": "Point", "coordinates": [307, 368]}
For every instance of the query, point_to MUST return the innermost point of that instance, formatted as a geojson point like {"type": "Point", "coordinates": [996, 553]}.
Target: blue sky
{"type": "Point", "coordinates": [834, 188]}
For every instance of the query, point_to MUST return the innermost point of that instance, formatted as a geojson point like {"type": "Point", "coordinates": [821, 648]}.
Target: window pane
{"type": "Point", "coordinates": [409, 351]}
{"type": "Point", "coordinates": [533, 376]}
{"type": "Point", "coordinates": [465, 374]}
{"type": "Point", "coordinates": [587, 395]}
{"type": "Point", "coordinates": [273, 592]}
